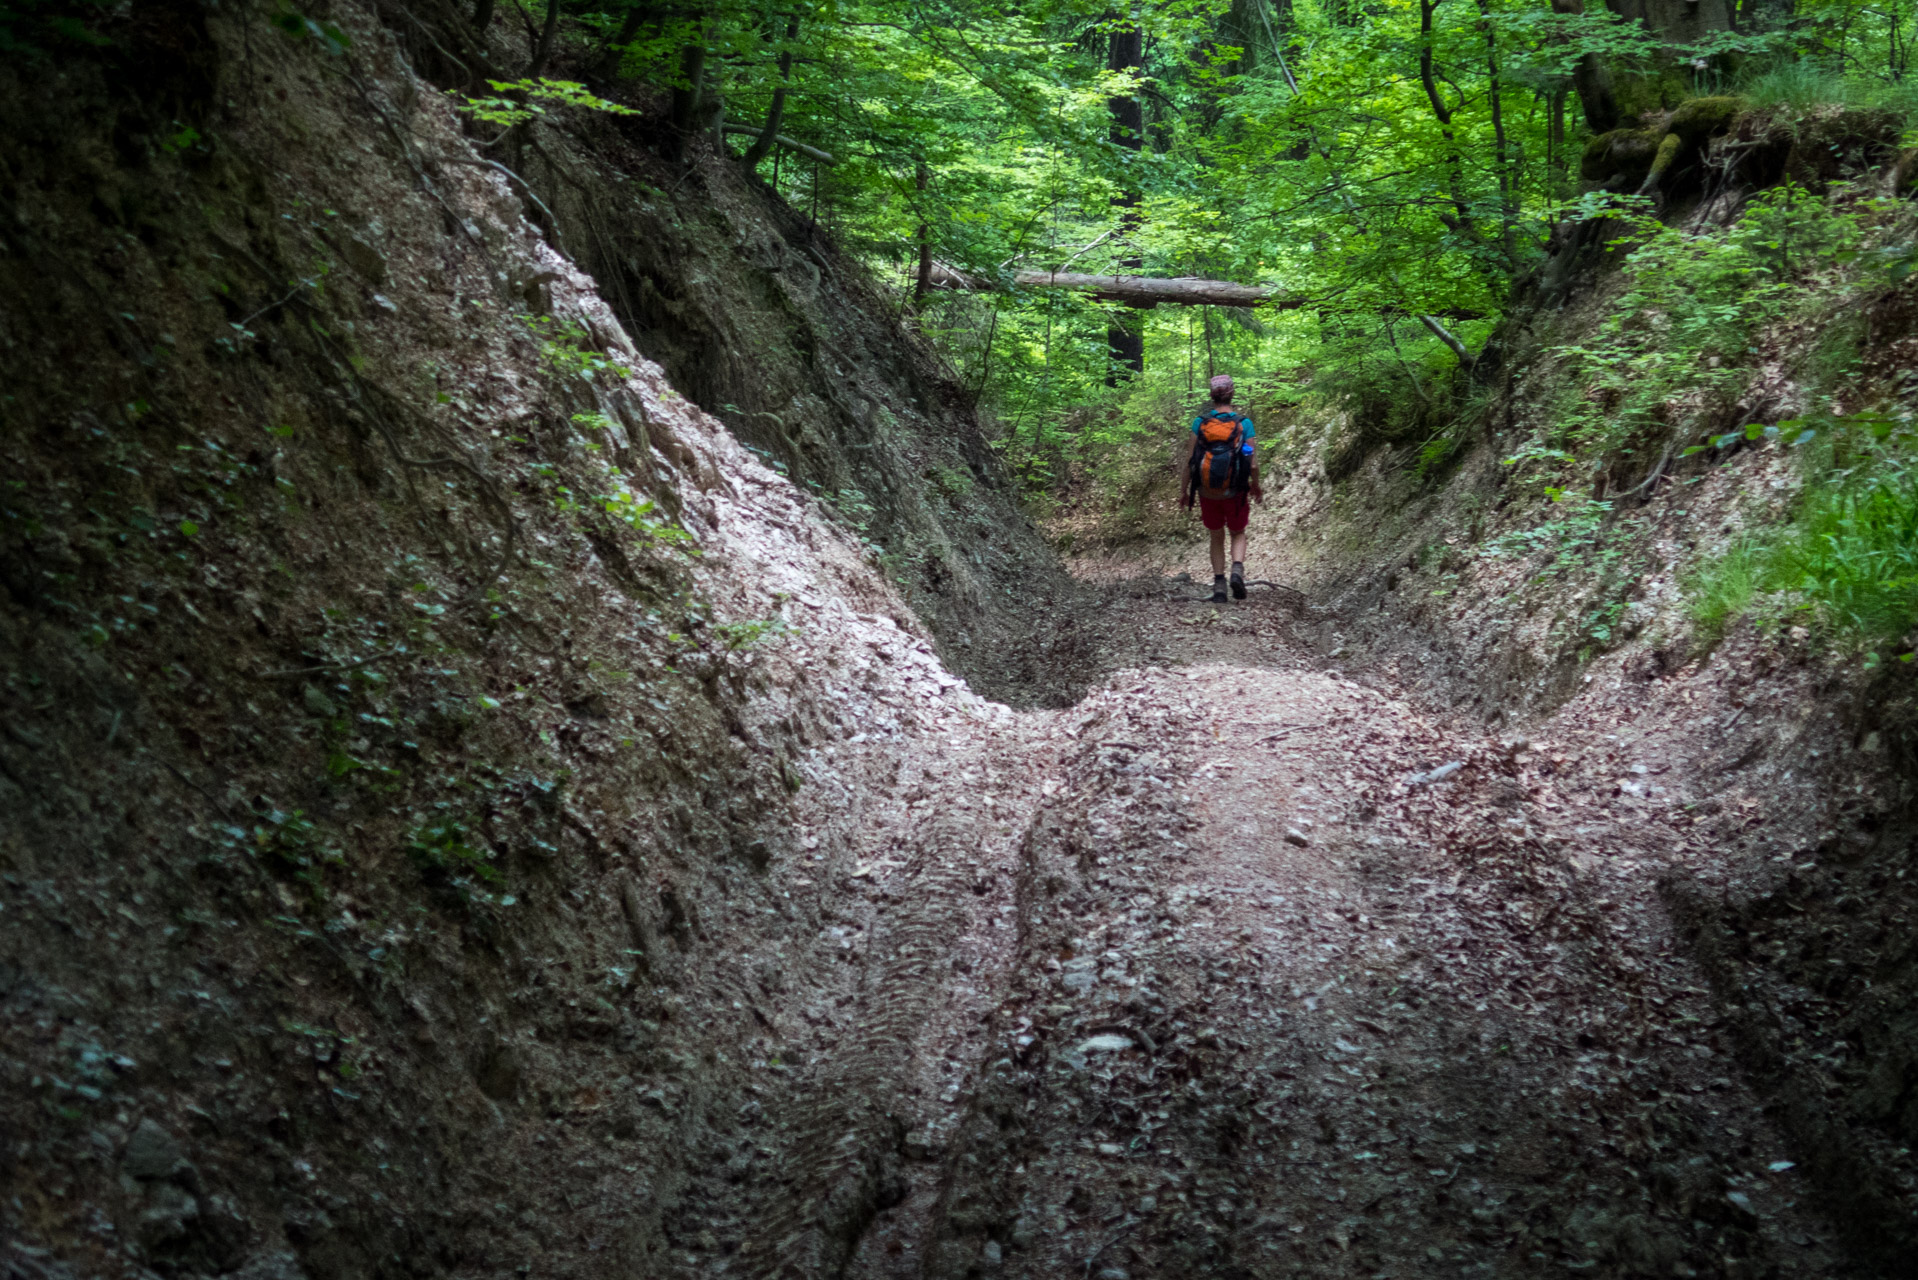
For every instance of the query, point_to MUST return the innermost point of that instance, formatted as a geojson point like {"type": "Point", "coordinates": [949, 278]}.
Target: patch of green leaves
{"type": "Point", "coordinates": [852, 507]}
{"type": "Point", "coordinates": [285, 838]}
{"type": "Point", "coordinates": [1570, 537]}
{"type": "Point", "coordinates": [566, 346]}
{"type": "Point", "coordinates": [1846, 560]}
{"type": "Point", "coordinates": [514, 102]}
{"type": "Point", "coordinates": [749, 634]}
{"type": "Point", "coordinates": [1681, 334]}
{"type": "Point", "coordinates": [300, 27]}
{"type": "Point", "coordinates": [642, 516]}
{"type": "Point", "coordinates": [30, 28]}
{"type": "Point", "coordinates": [449, 855]}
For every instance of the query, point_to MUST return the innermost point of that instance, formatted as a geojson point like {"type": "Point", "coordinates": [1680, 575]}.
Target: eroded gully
{"type": "Point", "coordinates": [1210, 975]}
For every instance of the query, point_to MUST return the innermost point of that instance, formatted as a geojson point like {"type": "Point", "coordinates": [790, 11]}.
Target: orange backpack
{"type": "Point", "coordinates": [1219, 467]}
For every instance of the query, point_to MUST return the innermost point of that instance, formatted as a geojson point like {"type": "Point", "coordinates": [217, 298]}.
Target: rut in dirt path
{"type": "Point", "coordinates": [1276, 1010]}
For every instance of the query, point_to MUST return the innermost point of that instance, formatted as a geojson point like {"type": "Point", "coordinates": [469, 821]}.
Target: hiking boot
{"type": "Point", "coordinates": [1218, 588]}
{"type": "Point", "coordinates": [1238, 582]}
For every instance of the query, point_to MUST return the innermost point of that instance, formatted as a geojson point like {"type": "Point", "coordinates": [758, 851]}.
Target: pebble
{"type": "Point", "coordinates": [1107, 1043]}
{"type": "Point", "coordinates": [271, 1266]}
{"type": "Point", "coordinates": [152, 1153]}
{"type": "Point", "coordinates": [1439, 774]}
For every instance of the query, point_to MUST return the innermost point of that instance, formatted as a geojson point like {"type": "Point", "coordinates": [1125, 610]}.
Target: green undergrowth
{"type": "Point", "coordinates": [1670, 362]}
{"type": "Point", "coordinates": [1682, 337]}
{"type": "Point", "coordinates": [1802, 85]}
{"type": "Point", "coordinates": [1846, 561]}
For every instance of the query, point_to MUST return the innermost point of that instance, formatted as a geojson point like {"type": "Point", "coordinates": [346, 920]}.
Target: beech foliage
{"type": "Point", "coordinates": [1396, 171]}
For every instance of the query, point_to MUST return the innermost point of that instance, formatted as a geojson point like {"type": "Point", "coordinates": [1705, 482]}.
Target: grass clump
{"type": "Point", "coordinates": [1846, 562]}
{"type": "Point", "coordinates": [1802, 85]}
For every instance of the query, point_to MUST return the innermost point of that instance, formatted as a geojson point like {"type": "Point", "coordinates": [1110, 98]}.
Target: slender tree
{"type": "Point", "coordinates": [1125, 336]}
{"type": "Point", "coordinates": [922, 282]}
{"type": "Point", "coordinates": [544, 49]}
{"type": "Point", "coordinates": [688, 93]}
{"type": "Point", "coordinates": [776, 113]}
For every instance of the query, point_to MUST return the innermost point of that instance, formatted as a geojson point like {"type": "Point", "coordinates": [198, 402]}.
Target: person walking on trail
{"type": "Point", "coordinates": [1223, 474]}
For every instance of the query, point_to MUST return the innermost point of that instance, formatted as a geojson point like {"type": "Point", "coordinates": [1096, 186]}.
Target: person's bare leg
{"type": "Point", "coordinates": [1238, 551]}
{"type": "Point", "coordinates": [1218, 551]}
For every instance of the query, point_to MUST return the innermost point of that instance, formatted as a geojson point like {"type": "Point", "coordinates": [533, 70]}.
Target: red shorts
{"type": "Point", "coordinates": [1226, 513]}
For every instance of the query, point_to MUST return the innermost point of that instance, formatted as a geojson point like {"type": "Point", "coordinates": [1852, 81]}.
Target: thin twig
{"type": "Point", "coordinates": [181, 774]}
{"type": "Point", "coordinates": [532, 32]}
{"type": "Point", "coordinates": [327, 666]}
{"type": "Point", "coordinates": [559, 241]}
{"type": "Point", "coordinates": [1082, 252]}
{"type": "Point", "coordinates": [1391, 335]}
{"type": "Point", "coordinates": [1291, 728]}
{"type": "Point", "coordinates": [488, 486]}
{"type": "Point", "coordinates": [1651, 479]}
{"type": "Point", "coordinates": [275, 305]}
{"type": "Point", "coordinates": [433, 40]}
{"type": "Point", "coordinates": [406, 153]}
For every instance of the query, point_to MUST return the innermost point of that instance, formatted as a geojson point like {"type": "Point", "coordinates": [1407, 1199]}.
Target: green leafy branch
{"type": "Point", "coordinates": [514, 102]}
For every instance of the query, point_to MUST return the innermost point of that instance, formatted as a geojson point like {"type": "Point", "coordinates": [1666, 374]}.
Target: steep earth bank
{"type": "Point", "coordinates": [754, 313]}
{"type": "Point", "coordinates": [440, 762]}
{"type": "Point", "coordinates": [1786, 765]}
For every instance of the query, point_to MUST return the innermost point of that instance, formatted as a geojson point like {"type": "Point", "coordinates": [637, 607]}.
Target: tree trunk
{"type": "Point", "coordinates": [1557, 162]}
{"type": "Point", "coordinates": [1460, 220]}
{"type": "Point", "coordinates": [608, 61]}
{"type": "Point", "coordinates": [482, 19]}
{"type": "Point", "coordinates": [774, 114]}
{"type": "Point", "coordinates": [1592, 81]}
{"type": "Point", "coordinates": [1501, 148]}
{"type": "Point", "coordinates": [923, 282]}
{"type": "Point", "coordinates": [544, 50]}
{"type": "Point", "coordinates": [1449, 338]}
{"type": "Point", "coordinates": [1608, 98]}
{"type": "Point", "coordinates": [1677, 21]}
{"type": "Point", "coordinates": [713, 117]}
{"type": "Point", "coordinates": [692, 70]}
{"type": "Point", "coordinates": [1125, 337]}
{"type": "Point", "coordinates": [1142, 291]}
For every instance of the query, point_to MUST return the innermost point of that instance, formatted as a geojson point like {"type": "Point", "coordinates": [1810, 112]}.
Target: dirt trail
{"type": "Point", "coordinates": [1281, 1000]}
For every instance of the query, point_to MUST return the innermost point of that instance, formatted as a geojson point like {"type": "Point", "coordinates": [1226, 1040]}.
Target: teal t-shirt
{"type": "Point", "coordinates": [1198, 421]}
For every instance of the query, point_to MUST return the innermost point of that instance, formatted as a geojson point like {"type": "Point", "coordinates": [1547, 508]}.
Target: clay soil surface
{"type": "Point", "coordinates": [1287, 978]}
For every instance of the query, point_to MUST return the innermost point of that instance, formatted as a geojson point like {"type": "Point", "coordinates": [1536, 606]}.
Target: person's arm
{"type": "Point", "coordinates": [1185, 472]}
{"type": "Point", "coordinates": [1252, 458]}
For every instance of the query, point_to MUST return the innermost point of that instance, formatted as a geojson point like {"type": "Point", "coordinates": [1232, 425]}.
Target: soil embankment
{"type": "Point", "coordinates": [438, 758]}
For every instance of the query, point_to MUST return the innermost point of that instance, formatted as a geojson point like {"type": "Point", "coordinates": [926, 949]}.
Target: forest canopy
{"type": "Point", "coordinates": [1394, 170]}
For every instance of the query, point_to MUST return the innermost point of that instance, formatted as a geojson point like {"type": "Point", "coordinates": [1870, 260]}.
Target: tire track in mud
{"type": "Point", "coordinates": [935, 865]}
{"type": "Point", "coordinates": [1277, 1012]}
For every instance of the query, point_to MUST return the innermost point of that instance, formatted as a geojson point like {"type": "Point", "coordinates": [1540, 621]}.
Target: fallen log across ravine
{"type": "Point", "coordinates": [1189, 291]}
{"type": "Point", "coordinates": [1147, 291]}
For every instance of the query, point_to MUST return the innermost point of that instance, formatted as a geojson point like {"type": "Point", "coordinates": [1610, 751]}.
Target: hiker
{"type": "Point", "coordinates": [1223, 473]}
